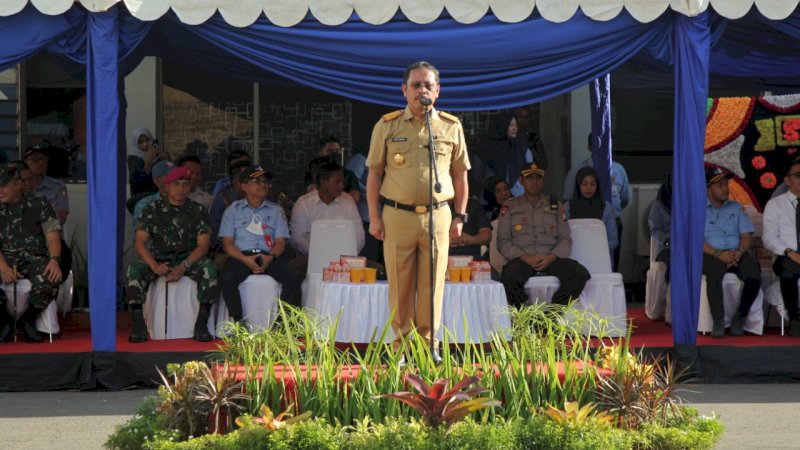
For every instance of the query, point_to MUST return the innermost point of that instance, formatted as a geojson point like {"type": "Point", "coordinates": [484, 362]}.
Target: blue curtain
{"type": "Point", "coordinates": [485, 65]}
{"type": "Point", "coordinates": [29, 32]}
{"type": "Point", "coordinates": [691, 50]}
{"type": "Point", "coordinates": [602, 156]}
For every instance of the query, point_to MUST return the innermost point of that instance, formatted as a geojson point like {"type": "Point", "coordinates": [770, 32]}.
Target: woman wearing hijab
{"type": "Point", "coordinates": [144, 155]}
{"type": "Point", "coordinates": [658, 219]}
{"type": "Point", "coordinates": [507, 150]}
{"type": "Point", "coordinates": [497, 192]}
{"type": "Point", "coordinates": [586, 203]}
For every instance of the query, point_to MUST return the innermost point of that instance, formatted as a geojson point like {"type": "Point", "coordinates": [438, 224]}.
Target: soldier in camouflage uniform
{"type": "Point", "coordinates": [30, 248]}
{"type": "Point", "coordinates": [178, 233]}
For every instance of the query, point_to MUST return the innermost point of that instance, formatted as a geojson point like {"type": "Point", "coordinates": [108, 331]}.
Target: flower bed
{"type": "Point", "coordinates": [577, 398]}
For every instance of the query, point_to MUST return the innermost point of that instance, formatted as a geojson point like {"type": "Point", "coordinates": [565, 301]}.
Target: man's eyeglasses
{"type": "Point", "coordinates": [795, 175]}
{"type": "Point", "coordinates": [418, 84]}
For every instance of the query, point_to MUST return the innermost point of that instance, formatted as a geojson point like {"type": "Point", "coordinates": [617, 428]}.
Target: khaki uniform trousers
{"type": "Point", "coordinates": [407, 255]}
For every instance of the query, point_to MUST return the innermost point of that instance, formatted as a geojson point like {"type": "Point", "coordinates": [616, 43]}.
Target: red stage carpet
{"type": "Point", "coordinates": [70, 363]}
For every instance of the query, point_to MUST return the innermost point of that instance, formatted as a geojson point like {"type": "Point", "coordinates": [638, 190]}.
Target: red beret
{"type": "Point", "coordinates": [177, 173]}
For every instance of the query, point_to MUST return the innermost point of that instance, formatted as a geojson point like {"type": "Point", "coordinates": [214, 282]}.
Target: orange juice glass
{"type": "Point", "coordinates": [466, 274]}
{"type": "Point", "coordinates": [455, 274]}
{"type": "Point", "coordinates": [369, 275]}
{"type": "Point", "coordinates": [356, 275]}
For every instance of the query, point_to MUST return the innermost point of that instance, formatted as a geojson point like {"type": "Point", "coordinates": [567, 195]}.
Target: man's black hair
{"type": "Point", "coordinates": [189, 158]}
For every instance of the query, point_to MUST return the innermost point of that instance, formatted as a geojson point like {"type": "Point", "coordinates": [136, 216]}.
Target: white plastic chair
{"type": "Point", "coordinates": [330, 239]}
{"type": "Point", "coordinates": [260, 294]}
{"type": "Point", "coordinates": [774, 297]}
{"type": "Point", "coordinates": [496, 259]}
{"type": "Point", "coordinates": [656, 288]}
{"type": "Point", "coordinates": [604, 293]}
{"type": "Point", "coordinates": [731, 296]}
{"type": "Point", "coordinates": [46, 322]}
{"type": "Point", "coordinates": [174, 320]}
{"type": "Point", "coordinates": [64, 297]}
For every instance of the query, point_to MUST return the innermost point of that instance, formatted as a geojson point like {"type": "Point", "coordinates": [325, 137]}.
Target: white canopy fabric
{"type": "Point", "coordinates": [242, 13]}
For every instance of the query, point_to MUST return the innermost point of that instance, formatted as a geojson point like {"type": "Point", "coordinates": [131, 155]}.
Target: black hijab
{"type": "Point", "coordinates": [586, 208]}
{"type": "Point", "coordinates": [504, 155]}
{"type": "Point", "coordinates": [665, 194]}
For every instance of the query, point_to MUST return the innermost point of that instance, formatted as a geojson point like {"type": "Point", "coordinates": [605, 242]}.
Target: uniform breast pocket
{"type": "Point", "coordinates": [398, 154]}
{"type": "Point", "coordinates": [443, 148]}
{"type": "Point", "coordinates": [550, 222]}
{"type": "Point", "coordinates": [519, 223]}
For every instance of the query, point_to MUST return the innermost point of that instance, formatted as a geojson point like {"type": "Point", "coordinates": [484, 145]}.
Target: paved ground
{"type": "Point", "coordinates": [755, 416]}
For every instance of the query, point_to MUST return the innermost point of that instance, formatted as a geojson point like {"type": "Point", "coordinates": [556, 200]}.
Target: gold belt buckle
{"type": "Point", "coordinates": [421, 209]}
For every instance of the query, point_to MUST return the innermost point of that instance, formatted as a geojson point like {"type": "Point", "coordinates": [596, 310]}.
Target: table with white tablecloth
{"type": "Point", "coordinates": [471, 312]}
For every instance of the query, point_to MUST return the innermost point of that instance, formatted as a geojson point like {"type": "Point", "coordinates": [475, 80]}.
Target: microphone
{"type": "Point", "coordinates": [426, 101]}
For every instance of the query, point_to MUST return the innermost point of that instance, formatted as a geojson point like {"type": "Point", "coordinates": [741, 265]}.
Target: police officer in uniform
{"type": "Point", "coordinates": [398, 194]}
{"type": "Point", "coordinates": [178, 232]}
{"type": "Point", "coordinates": [30, 247]}
{"type": "Point", "coordinates": [533, 235]}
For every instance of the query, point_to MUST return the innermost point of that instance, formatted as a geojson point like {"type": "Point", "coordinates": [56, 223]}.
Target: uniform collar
{"type": "Point", "coordinates": [317, 198]}
{"type": "Point", "coordinates": [408, 115]}
{"type": "Point", "coordinates": [724, 204]}
{"type": "Point", "coordinates": [246, 204]}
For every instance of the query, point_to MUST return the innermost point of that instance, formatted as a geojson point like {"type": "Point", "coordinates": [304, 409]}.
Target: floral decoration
{"type": "Point", "coordinates": [768, 180]}
{"type": "Point", "coordinates": [791, 151]}
{"type": "Point", "coordinates": [759, 162]}
{"type": "Point", "coordinates": [726, 120]}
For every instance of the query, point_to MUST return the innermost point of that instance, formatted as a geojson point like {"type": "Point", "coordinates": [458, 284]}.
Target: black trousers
{"type": "Point", "coordinates": [572, 277]}
{"type": "Point", "coordinates": [788, 272]}
{"type": "Point", "coordinates": [234, 272]}
{"type": "Point", "coordinates": [615, 261]}
{"type": "Point", "coordinates": [747, 270]}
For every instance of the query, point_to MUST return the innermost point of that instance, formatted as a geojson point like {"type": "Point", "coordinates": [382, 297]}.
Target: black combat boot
{"type": "Point", "coordinates": [138, 327]}
{"type": "Point", "coordinates": [6, 324]}
{"type": "Point", "coordinates": [201, 325]}
{"type": "Point", "coordinates": [28, 324]}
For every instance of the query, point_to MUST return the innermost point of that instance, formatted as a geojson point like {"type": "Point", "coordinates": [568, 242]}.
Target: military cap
{"type": "Point", "coordinates": [33, 150]}
{"type": "Point", "coordinates": [714, 174]}
{"type": "Point", "coordinates": [531, 168]}
{"type": "Point", "coordinates": [161, 168]}
{"type": "Point", "coordinates": [8, 172]}
{"type": "Point", "coordinates": [252, 173]}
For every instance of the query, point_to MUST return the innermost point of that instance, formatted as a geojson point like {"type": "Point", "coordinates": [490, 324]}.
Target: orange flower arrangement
{"type": "Point", "coordinates": [726, 120]}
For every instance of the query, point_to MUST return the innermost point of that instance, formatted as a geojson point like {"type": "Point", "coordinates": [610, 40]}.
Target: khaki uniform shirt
{"type": "Point", "coordinates": [399, 146]}
{"type": "Point", "coordinates": [526, 228]}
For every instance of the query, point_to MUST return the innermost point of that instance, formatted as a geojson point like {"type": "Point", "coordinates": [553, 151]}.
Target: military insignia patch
{"type": "Point", "coordinates": [504, 210]}
{"type": "Point", "coordinates": [399, 159]}
{"type": "Point", "coordinates": [517, 227]}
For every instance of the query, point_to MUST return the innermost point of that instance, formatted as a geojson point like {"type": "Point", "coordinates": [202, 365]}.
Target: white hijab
{"type": "Point", "coordinates": [137, 133]}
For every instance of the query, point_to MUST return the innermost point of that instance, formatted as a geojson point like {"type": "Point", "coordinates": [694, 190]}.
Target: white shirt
{"type": "Point", "coordinates": [310, 207]}
{"type": "Point", "coordinates": [779, 224]}
{"type": "Point", "coordinates": [202, 197]}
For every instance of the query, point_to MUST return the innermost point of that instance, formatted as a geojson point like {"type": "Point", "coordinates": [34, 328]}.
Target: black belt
{"type": "Point", "coordinates": [419, 209]}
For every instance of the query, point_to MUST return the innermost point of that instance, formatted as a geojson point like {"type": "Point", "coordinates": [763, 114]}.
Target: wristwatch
{"type": "Point", "coordinates": [464, 217]}
{"type": "Point", "coordinates": [186, 264]}
{"type": "Point", "coordinates": [787, 251]}
{"type": "Point", "coordinates": [57, 258]}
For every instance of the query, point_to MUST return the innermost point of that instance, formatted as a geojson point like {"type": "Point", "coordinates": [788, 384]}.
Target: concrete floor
{"type": "Point", "coordinates": [755, 416]}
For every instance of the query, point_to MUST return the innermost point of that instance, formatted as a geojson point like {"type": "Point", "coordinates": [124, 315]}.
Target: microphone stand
{"type": "Point", "coordinates": [433, 174]}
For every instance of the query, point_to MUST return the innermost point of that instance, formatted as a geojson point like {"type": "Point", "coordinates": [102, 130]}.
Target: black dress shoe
{"type": "Point", "coordinates": [28, 325]}
{"type": "Point", "coordinates": [201, 333]}
{"type": "Point", "coordinates": [6, 332]}
{"type": "Point", "coordinates": [138, 327]}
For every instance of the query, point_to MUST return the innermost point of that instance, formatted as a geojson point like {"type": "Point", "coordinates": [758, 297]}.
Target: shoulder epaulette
{"type": "Point", "coordinates": [448, 116]}
{"type": "Point", "coordinates": [392, 115]}
{"type": "Point", "coordinates": [553, 203]}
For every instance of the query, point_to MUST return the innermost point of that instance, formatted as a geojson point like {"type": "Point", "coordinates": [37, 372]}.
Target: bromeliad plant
{"type": "Point", "coordinates": [574, 415]}
{"type": "Point", "coordinates": [269, 421]}
{"type": "Point", "coordinates": [437, 405]}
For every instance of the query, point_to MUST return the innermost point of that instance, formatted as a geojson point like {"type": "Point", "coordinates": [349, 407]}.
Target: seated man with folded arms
{"type": "Point", "coordinates": [30, 247]}
{"type": "Point", "coordinates": [781, 237]}
{"type": "Point", "coordinates": [253, 234]}
{"type": "Point", "coordinates": [178, 233]}
{"type": "Point", "coordinates": [533, 235]}
{"type": "Point", "coordinates": [327, 202]}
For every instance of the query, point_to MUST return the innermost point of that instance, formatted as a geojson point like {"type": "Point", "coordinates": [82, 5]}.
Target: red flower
{"type": "Point", "coordinates": [759, 162]}
{"type": "Point", "coordinates": [768, 180]}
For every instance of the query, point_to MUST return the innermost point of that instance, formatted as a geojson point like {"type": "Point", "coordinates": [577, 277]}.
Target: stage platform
{"type": "Point", "coordinates": [70, 363]}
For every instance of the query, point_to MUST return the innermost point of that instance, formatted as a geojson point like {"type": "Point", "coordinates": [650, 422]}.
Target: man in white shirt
{"type": "Point", "coordinates": [327, 202]}
{"type": "Point", "coordinates": [198, 194]}
{"type": "Point", "coordinates": [781, 236]}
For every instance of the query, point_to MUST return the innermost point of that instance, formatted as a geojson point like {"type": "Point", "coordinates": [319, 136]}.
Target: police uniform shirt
{"type": "Point", "coordinates": [25, 224]}
{"type": "Point", "coordinates": [55, 191]}
{"type": "Point", "coordinates": [526, 228]}
{"type": "Point", "coordinates": [254, 228]}
{"type": "Point", "coordinates": [725, 225]}
{"type": "Point", "coordinates": [399, 146]}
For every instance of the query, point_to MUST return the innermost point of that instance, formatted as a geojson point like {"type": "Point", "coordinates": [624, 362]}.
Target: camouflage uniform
{"type": "Point", "coordinates": [23, 227]}
{"type": "Point", "coordinates": [173, 235]}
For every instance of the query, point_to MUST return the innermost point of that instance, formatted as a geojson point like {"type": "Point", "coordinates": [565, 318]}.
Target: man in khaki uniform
{"type": "Point", "coordinates": [534, 236]}
{"type": "Point", "coordinates": [398, 194]}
